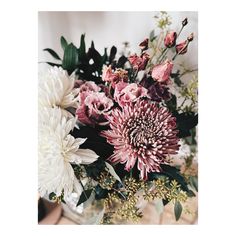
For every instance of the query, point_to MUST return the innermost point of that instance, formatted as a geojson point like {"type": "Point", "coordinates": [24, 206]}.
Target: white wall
{"type": "Point", "coordinates": [107, 29]}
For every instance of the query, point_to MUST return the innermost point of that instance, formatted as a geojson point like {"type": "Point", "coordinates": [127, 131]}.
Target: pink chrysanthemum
{"type": "Point", "coordinates": [143, 133]}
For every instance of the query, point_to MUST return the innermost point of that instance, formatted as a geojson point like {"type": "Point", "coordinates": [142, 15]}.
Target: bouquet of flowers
{"type": "Point", "coordinates": [113, 128]}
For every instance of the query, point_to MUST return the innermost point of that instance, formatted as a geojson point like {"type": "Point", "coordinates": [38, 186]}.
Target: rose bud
{"type": "Point", "coordinates": [170, 39]}
{"type": "Point", "coordinates": [185, 22]}
{"type": "Point", "coordinates": [161, 72]}
{"type": "Point", "coordinates": [144, 45]}
{"type": "Point", "coordinates": [190, 37]}
{"type": "Point", "coordinates": [182, 47]}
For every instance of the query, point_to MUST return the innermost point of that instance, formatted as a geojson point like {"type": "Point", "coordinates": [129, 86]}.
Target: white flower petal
{"type": "Point", "coordinates": [87, 156]}
{"type": "Point", "coordinates": [57, 150]}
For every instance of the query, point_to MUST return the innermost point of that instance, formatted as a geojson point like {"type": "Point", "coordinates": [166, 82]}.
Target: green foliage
{"type": "Point", "coordinates": [177, 78]}
{"type": "Point", "coordinates": [63, 43]}
{"type": "Point", "coordinates": [152, 36]}
{"type": "Point", "coordinates": [84, 196]}
{"type": "Point", "coordinates": [174, 174]}
{"type": "Point", "coordinates": [52, 53]}
{"type": "Point", "coordinates": [172, 103]}
{"type": "Point", "coordinates": [87, 64]}
{"type": "Point", "coordinates": [178, 210]}
{"type": "Point", "coordinates": [52, 196]}
{"type": "Point", "coordinates": [82, 48]}
{"type": "Point", "coordinates": [95, 169]}
{"type": "Point", "coordinates": [185, 122]}
{"type": "Point", "coordinates": [193, 181]}
{"type": "Point", "coordinates": [70, 59]}
{"type": "Point", "coordinates": [53, 64]}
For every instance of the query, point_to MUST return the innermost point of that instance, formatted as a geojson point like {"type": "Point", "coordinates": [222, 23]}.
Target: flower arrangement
{"type": "Point", "coordinates": [112, 129]}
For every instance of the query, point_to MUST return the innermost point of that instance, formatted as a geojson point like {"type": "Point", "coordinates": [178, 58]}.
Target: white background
{"type": "Point", "coordinates": [18, 119]}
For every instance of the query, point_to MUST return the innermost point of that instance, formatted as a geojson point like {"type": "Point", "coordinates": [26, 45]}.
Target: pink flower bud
{"type": "Point", "coordinates": [190, 37]}
{"type": "Point", "coordinates": [161, 72]}
{"type": "Point", "coordinates": [170, 39]}
{"type": "Point", "coordinates": [182, 47]}
{"type": "Point", "coordinates": [144, 45]}
{"type": "Point", "coordinates": [139, 63]}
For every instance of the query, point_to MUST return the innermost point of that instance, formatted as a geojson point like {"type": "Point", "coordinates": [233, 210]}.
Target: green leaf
{"type": "Point", "coordinates": [53, 53]}
{"type": "Point", "coordinates": [193, 181]}
{"type": "Point", "coordinates": [52, 196]}
{"type": "Point", "coordinates": [70, 59]}
{"type": "Point", "coordinates": [159, 206]}
{"type": "Point", "coordinates": [63, 43]}
{"type": "Point", "coordinates": [172, 103]}
{"type": "Point", "coordinates": [104, 57]}
{"type": "Point", "coordinates": [113, 52]}
{"type": "Point", "coordinates": [112, 172]}
{"type": "Point", "coordinates": [53, 64]}
{"type": "Point", "coordinates": [152, 35]}
{"type": "Point", "coordinates": [84, 196]}
{"type": "Point", "coordinates": [190, 193]}
{"type": "Point", "coordinates": [121, 62]}
{"type": "Point", "coordinates": [178, 210]}
{"type": "Point", "coordinates": [174, 173]}
{"type": "Point", "coordinates": [82, 48]}
{"type": "Point", "coordinates": [185, 122]}
{"type": "Point", "coordinates": [90, 200]}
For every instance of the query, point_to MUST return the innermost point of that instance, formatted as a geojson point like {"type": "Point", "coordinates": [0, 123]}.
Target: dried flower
{"type": "Point", "coordinates": [182, 47]}
{"type": "Point", "coordinates": [119, 75]}
{"type": "Point", "coordinates": [144, 44]}
{"type": "Point", "coordinates": [143, 133]}
{"type": "Point", "coordinates": [161, 72]}
{"type": "Point", "coordinates": [170, 39]}
{"type": "Point", "coordinates": [139, 63]}
{"type": "Point", "coordinates": [185, 22]}
{"type": "Point", "coordinates": [190, 37]}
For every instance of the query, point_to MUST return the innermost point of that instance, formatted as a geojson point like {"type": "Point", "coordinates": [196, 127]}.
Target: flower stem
{"type": "Point", "coordinates": [183, 102]}
{"type": "Point", "coordinates": [177, 53]}
{"type": "Point", "coordinates": [83, 189]}
{"type": "Point", "coordinates": [131, 173]}
{"type": "Point", "coordinates": [163, 53]}
{"type": "Point", "coordinates": [180, 32]}
{"type": "Point", "coordinates": [119, 193]}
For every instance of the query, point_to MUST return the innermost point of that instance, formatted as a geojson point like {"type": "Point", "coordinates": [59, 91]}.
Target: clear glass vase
{"type": "Point", "coordinates": [84, 214]}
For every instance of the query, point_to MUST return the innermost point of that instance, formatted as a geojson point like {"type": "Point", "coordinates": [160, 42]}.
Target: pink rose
{"type": "Point", "coordinates": [128, 93]}
{"type": "Point", "coordinates": [139, 63]}
{"type": "Point", "coordinates": [89, 86]}
{"type": "Point", "coordinates": [84, 88]}
{"type": "Point", "coordinates": [114, 77]}
{"type": "Point", "coordinates": [94, 108]}
{"type": "Point", "coordinates": [161, 72]}
{"type": "Point", "coordinates": [182, 47]}
{"type": "Point", "coordinates": [170, 39]}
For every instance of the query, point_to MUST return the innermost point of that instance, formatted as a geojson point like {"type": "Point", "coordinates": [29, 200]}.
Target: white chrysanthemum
{"type": "Point", "coordinates": [57, 149]}
{"type": "Point", "coordinates": [56, 89]}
